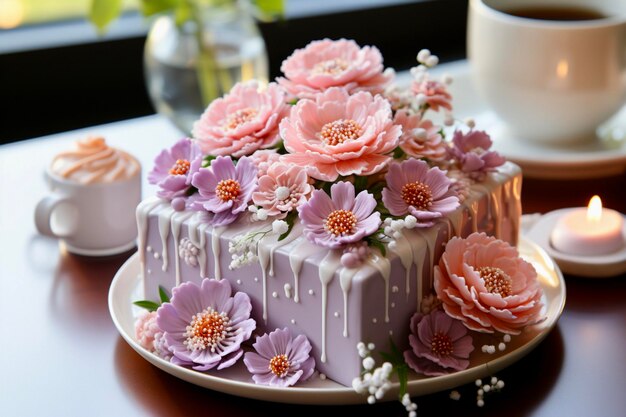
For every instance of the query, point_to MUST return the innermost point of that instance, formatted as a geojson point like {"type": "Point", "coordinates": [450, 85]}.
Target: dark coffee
{"type": "Point", "coordinates": [570, 13]}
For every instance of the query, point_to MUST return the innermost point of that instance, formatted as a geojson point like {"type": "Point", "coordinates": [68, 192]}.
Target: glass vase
{"type": "Point", "coordinates": [187, 66]}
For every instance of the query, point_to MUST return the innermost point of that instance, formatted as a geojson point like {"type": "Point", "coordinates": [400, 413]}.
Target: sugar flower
{"type": "Point", "coordinates": [439, 344]}
{"type": "Point", "coordinates": [326, 63]}
{"type": "Point", "coordinates": [420, 137]}
{"type": "Point", "coordinates": [338, 134]}
{"type": "Point", "coordinates": [242, 121]}
{"type": "Point", "coordinates": [225, 188]}
{"type": "Point", "coordinates": [415, 188]}
{"type": "Point", "coordinates": [280, 360]}
{"type": "Point", "coordinates": [339, 219]}
{"type": "Point", "coordinates": [472, 152]}
{"type": "Point", "coordinates": [174, 167]}
{"type": "Point", "coordinates": [145, 329]}
{"type": "Point", "coordinates": [263, 159]}
{"type": "Point", "coordinates": [434, 93]}
{"type": "Point", "coordinates": [483, 282]}
{"type": "Point", "coordinates": [204, 326]}
{"type": "Point", "coordinates": [282, 189]}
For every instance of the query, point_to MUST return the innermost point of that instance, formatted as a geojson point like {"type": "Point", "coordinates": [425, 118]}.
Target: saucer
{"type": "Point", "coordinates": [603, 157]}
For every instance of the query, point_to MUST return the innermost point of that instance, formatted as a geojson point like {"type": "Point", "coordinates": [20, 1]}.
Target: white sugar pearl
{"type": "Point", "coordinates": [423, 55]}
{"type": "Point", "coordinates": [432, 61]}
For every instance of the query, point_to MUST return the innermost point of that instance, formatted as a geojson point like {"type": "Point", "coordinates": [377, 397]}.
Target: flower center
{"type": "Point", "coordinates": [227, 190]}
{"type": "Point", "coordinates": [279, 365]}
{"type": "Point", "coordinates": [340, 222]}
{"type": "Point", "coordinates": [206, 330]}
{"type": "Point", "coordinates": [282, 193]}
{"type": "Point", "coordinates": [330, 67]}
{"type": "Point", "coordinates": [181, 167]}
{"type": "Point", "coordinates": [339, 131]}
{"type": "Point", "coordinates": [240, 117]}
{"type": "Point", "coordinates": [496, 280]}
{"type": "Point", "coordinates": [417, 194]}
{"type": "Point", "coordinates": [441, 345]}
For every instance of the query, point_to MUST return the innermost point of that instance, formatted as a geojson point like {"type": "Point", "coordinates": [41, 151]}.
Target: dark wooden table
{"type": "Point", "coordinates": [62, 356]}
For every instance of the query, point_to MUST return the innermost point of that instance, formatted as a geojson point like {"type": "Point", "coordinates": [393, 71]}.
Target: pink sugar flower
{"type": "Point", "coordinates": [471, 150]}
{"type": "Point", "coordinates": [435, 93]}
{"type": "Point", "coordinates": [420, 138]}
{"type": "Point", "coordinates": [146, 328]}
{"type": "Point", "coordinates": [263, 159]}
{"type": "Point", "coordinates": [282, 189]}
{"type": "Point", "coordinates": [338, 134]}
{"type": "Point", "coordinates": [242, 121]}
{"type": "Point", "coordinates": [439, 344]}
{"type": "Point", "coordinates": [339, 219]}
{"type": "Point", "coordinates": [483, 282]}
{"type": "Point", "coordinates": [415, 188]}
{"type": "Point", "coordinates": [326, 63]}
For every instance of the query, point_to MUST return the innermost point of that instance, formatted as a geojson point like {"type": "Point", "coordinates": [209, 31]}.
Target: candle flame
{"type": "Point", "coordinates": [594, 209]}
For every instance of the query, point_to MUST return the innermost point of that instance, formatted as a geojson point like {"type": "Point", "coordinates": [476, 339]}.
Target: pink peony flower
{"type": "Point", "coordinates": [472, 152]}
{"type": "Point", "coordinates": [436, 94]}
{"type": "Point", "coordinates": [415, 188]}
{"type": "Point", "coordinates": [242, 121]}
{"type": "Point", "coordinates": [338, 134]}
{"type": "Point", "coordinates": [146, 328]}
{"type": "Point", "coordinates": [483, 282]}
{"type": "Point", "coordinates": [263, 159]}
{"type": "Point", "coordinates": [339, 219]}
{"type": "Point", "coordinates": [420, 138]}
{"type": "Point", "coordinates": [342, 63]}
{"type": "Point", "coordinates": [439, 344]}
{"type": "Point", "coordinates": [282, 189]}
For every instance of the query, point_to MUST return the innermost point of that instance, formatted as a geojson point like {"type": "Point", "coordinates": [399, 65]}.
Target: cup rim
{"type": "Point", "coordinates": [604, 22]}
{"type": "Point", "coordinates": [52, 175]}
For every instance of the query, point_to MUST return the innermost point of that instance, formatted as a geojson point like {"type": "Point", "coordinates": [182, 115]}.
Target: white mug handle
{"type": "Point", "coordinates": [43, 213]}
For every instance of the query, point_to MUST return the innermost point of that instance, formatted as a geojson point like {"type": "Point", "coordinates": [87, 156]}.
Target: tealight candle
{"type": "Point", "coordinates": [589, 232]}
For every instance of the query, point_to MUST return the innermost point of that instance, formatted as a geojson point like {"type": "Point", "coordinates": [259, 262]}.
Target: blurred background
{"type": "Point", "coordinates": [58, 72]}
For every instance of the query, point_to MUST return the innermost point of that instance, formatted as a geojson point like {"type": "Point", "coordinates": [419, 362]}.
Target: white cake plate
{"type": "Point", "coordinates": [602, 156]}
{"type": "Point", "coordinates": [125, 289]}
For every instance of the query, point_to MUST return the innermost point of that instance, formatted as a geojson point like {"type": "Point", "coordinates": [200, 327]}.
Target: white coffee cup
{"type": "Point", "coordinates": [549, 81]}
{"type": "Point", "coordinates": [92, 219]}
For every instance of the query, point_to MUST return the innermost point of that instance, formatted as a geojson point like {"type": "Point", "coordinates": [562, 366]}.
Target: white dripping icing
{"type": "Point", "coordinates": [404, 252]}
{"type": "Point", "coordinates": [293, 235]}
{"type": "Point", "coordinates": [263, 253]}
{"type": "Point", "coordinates": [383, 266]}
{"type": "Point", "coordinates": [297, 256]}
{"type": "Point", "coordinates": [287, 288]}
{"type": "Point", "coordinates": [143, 210]}
{"type": "Point", "coordinates": [418, 252]}
{"type": "Point", "coordinates": [345, 280]}
{"type": "Point", "coordinates": [164, 231]}
{"type": "Point", "coordinates": [430, 237]}
{"type": "Point", "coordinates": [197, 236]}
{"type": "Point", "coordinates": [176, 222]}
{"type": "Point", "coordinates": [215, 247]}
{"type": "Point", "coordinates": [327, 269]}
{"type": "Point", "coordinates": [473, 209]}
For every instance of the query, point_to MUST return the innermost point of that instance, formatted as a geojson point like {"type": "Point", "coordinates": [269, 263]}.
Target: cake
{"type": "Point", "coordinates": [327, 200]}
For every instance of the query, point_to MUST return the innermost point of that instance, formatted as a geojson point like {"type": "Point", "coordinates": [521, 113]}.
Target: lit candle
{"type": "Point", "coordinates": [592, 231]}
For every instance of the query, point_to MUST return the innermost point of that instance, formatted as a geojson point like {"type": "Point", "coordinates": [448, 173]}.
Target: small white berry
{"type": "Point", "coordinates": [507, 338]}
{"type": "Point", "coordinates": [500, 384]}
{"type": "Point", "coordinates": [478, 382]}
{"type": "Point", "coordinates": [494, 380]}
{"type": "Point", "coordinates": [487, 388]}
{"type": "Point", "coordinates": [501, 346]}
{"type": "Point", "coordinates": [371, 346]}
{"type": "Point", "coordinates": [470, 123]}
{"type": "Point", "coordinates": [432, 61]}
{"type": "Point", "coordinates": [423, 55]}
{"type": "Point", "coordinates": [371, 399]}
{"type": "Point", "coordinates": [480, 403]}
{"type": "Point", "coordinates": [455, 395]}
{"type": "Point", "coordinates": [368, 363]}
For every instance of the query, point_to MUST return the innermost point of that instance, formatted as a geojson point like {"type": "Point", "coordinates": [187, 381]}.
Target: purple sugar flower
{"type": "Point", "coordinates": [225, 188]}
{"type": "Point", "coordinates": [174, 168]}
{"type": "Point", "coordinates": [439, 344]}
{"type": "Point", "coordinates": [415, 188]}
{"type": "Point", "coordinates": [336, 220]}
{"type": "Point", "coordinates": [471, 150]}
{"type": "Point", "coordinates": [280, 360]}
{"type": "Point", "coordinates": [204, 326]}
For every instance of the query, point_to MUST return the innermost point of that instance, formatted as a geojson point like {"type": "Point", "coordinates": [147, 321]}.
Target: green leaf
{"type": "Point", "coordinates": [152, 7]}
{"type": "Point", "coordinates": [268, 10]}
{"type": "Point", "coordinates": [403, 378]}
{"type": "Point", "coordinates": [294, 101]}
{"type": "Point", "coordinates": [386, 356]}
{"type": "Point", "coordinates": [183, 13]}
{"type": "Point", "coordinates": [375, 243]}
{"type": "Point", "coordinates": [103, 12]}
{"type": "Point", "coordinates": [163, 295]}
{"type": "Point", "coordinates": [360, 183]}
{"type": "Point", "coordinates": [290, 219]}
{"type": "Point", "coordinates": [207, 160]}
{"type": "Point", "coordinates": [398, 153]}
{"type": "Point", "coordinates": [148, 305]}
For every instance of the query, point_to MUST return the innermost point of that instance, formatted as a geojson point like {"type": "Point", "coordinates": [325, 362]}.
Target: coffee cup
{"type": "Point", "coordinates": [551, 70]}
{"type": "Point", "coordinates": [94, 191]}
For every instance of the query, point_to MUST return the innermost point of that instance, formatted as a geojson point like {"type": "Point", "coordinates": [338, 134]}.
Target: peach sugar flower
{"type": "Point", "coordinates": [264, 159]}
{"type": "Point", "coordinates": [420, 138]}
{"type": "Point", "coordinates": [436, 94]}
{"type": "Point", "coordinates": [483, 282]}
{"type": "Point", "coordinates": [340, 134]}
{"type": "Point", "coordinates": [342, 63]}
{"type": "Point", "coordinates": [243, 121]}
{"type": "Point", "coordinates": [282, 189]}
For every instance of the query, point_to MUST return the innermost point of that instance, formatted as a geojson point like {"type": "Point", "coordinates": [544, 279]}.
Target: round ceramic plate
{"type": "Point", "coordinates": [126, 288]}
